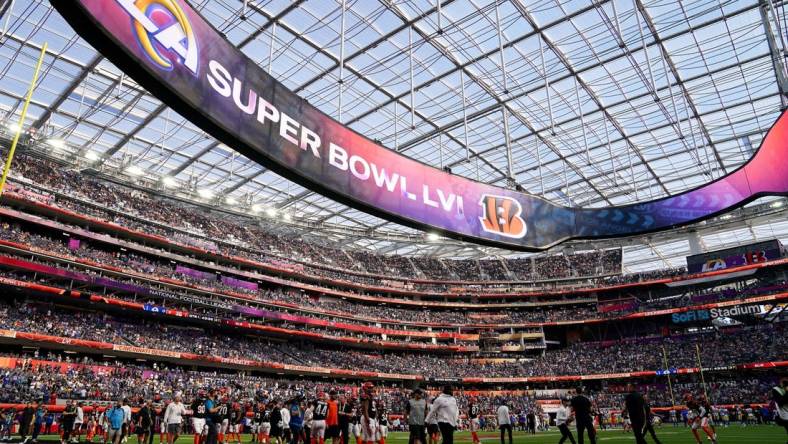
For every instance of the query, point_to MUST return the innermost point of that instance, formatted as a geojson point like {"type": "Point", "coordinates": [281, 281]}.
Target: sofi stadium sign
{"type": "Point", "coordinates": [167, 47]}
{"type": "Point", "coordinates": [719, 312]}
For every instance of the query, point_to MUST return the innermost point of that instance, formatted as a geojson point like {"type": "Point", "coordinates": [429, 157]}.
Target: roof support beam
{"type": "Point", "coordinates": [371, 45]}
{"type": "Point", "coordinates": [525, 92]}
{"type": "Point", "coordinates": [778, 57]}
{"type": "Point", "coordinates": [682, 87]}
{"type": "Point", "coordinates": [504, 106]}
{"type": "Point", "coordinates": [70, 88]}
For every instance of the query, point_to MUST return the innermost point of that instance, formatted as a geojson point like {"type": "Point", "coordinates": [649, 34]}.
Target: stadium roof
{"type": "Point", "coordinates": [591, 118]}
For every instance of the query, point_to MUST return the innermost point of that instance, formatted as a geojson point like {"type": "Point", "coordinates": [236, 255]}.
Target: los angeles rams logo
{"type": "Point", "coordinates": [501, 215]}
{"type": "Point", "coordinates": [163, 32]}
{"type": "Point", "coordinates": [714, 264]}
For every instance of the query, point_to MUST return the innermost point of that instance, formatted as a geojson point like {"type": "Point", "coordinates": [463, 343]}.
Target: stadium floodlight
{"type": "Point", "coordinates": [91, 156]}
{"type": "Point", "coordinates": [256, 208]}
{"type": "Point", "coordinates": [134, 170]}
{"type": "Point", "coordinates": [205, 193]}
{"type": "Point", "coordinates": [230, 200]}
{"type": "Point", "coordinates": [168, 181]}
{"type": "Point", "coordinates": [778, 204]}
{"type": "Point", "coordinates": [56, 143]}
{"type": "Point", "coordinates": [287, 217]}
{"type": "Point", "coordinates": [432, 237]}
{"type": "Point", "coordinates": [271, 212]}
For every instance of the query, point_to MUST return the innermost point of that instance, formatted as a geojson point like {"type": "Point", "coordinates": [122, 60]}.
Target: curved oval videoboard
{"type": "Point", "coordinates": [171, 50]}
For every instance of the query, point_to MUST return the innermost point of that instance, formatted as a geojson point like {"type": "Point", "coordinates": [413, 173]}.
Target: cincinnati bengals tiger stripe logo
{"type": "Point", "coordinates": [501, 215]}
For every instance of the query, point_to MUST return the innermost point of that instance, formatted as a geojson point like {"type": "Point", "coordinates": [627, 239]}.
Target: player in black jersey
{"type": "Point", "coordinates": [319, 414]}
{"type": "Point", "coordinates": [198, 417]}
{"type": "Point", "coordinates": [236, 418]}
{"type": "Point", "coordinates": [706, 420]}
{"type": "Point", "coordinates": [257, 418]}
{"type": "Point", "coordinates": [369, 414]}
{"type": "Point", "coordinates": [473, 417]}
{"type": "Point", "coordinates": [357, 419]}
{"type": "Point", "coordinates": [258, 411]}
{"type": "Point", "coordinates": [266, 425]}
{"type": "Point", "coordinates": [383, 423]}
{"type": "Point", "coordinates": [161, 426]}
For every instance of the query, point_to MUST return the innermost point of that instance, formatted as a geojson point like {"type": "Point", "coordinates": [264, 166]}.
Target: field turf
{"type": "Point", "coordinates": [666, 434]}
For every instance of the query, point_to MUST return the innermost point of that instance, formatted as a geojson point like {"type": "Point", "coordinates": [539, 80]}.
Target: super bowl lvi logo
{"type": "Point", "coordinates": [163, 32]}
{"type": "Point", "coordinates": [502, 216]}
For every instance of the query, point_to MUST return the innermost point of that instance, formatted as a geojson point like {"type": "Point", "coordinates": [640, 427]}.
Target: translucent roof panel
{"type": "Point", "coordinates": [605, 102]}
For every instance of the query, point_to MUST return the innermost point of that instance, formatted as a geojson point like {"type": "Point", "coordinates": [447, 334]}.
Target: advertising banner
{"type": "Point", "coordinates": [735, 257]}
{"type": "Point", "coordinates": [624, 305]}
{"type": "Point", "coordinates": [173, 52]}
{"type": "Point", "coordinates": [145, 351]}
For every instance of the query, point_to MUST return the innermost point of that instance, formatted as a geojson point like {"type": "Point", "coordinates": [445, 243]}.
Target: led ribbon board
{"type": "Point", "coordinates": [167, 47]}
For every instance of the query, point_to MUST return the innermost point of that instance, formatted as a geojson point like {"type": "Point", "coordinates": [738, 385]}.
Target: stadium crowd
{"type": "Point", "coordinates": [51, 377]}
{"type": "Point", "coordinates": [335, 309]}
{"type": "Point", "coordinates": [742, 345]}
{"type": "Point", "coordinates": [151, 214]}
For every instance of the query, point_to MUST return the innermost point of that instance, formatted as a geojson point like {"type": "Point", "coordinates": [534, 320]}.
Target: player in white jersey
{"type": "Point", "coordinates": [369, 414]}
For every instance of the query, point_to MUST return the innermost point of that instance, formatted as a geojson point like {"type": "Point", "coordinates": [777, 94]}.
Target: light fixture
{"type": "Point", "coordinates": [134, 170]}
{"type": "Point", "coordinates": [230, 200]}
{"type": "Point", "coordinates": [287, 217]}
{"type": "Point", "coordinates": [777, 204]}
{"type": "Point", "coordinates": [56, 143]}
{"type": "Point", "coordinates": [168, 181]}
{"type": "Point", "coordinates": [432, 237]}
{"type": "Point", "coordinates": [271, 212]}
{"type": "Point", "coordinates": [205, 193]}
{"type": "Point", "coordinates": [726, 217]}
{"type": "Point", "coordinates": [13, 127]}
{"type": "Point", "coordinates": [91, 156]}
{"type": "Point", "coordinates": [256, 208]}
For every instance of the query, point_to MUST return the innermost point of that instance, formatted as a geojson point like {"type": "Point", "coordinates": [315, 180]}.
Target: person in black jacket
{"type": "Point", "coordinates": [145, 421]}
{"type": "Point", "coordinates": [584, 421]}
{"type": "Point", "coordinates": [276, 421]}
{"type": "Point", "coordinates": [345, 413]}
{"type": "Point", "coordinates": [26, 421]}
{"type": "Point", "coordinates": [780, 397]}
{"type": "Point", "coordinates": [67, 420]}
{"type": "Point", "coordinates": [635, 406]}
{"type": "Point", "coordinates": [649, 422]}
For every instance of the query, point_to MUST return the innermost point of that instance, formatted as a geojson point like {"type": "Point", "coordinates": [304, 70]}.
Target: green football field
{"type": "Point", "coordinates": [666, 434]}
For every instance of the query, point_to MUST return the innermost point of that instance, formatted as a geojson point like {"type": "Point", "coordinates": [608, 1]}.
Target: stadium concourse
{"type": "Point", "coordinates": [344, 222]}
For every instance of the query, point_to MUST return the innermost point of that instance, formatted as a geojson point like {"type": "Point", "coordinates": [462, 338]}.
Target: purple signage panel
{"type": "Point", "coordinates": [197, 274]}
{"type": "Point", "coordinates": [735, 257]}
{"type": "Point", "coordinates": [167, 47]}
{"type": "Point", "coordinates": [239, 283]}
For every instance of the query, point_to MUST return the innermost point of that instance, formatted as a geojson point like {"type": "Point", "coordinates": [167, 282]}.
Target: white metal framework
{"type": "Point", "coordinates": [587, 103]}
